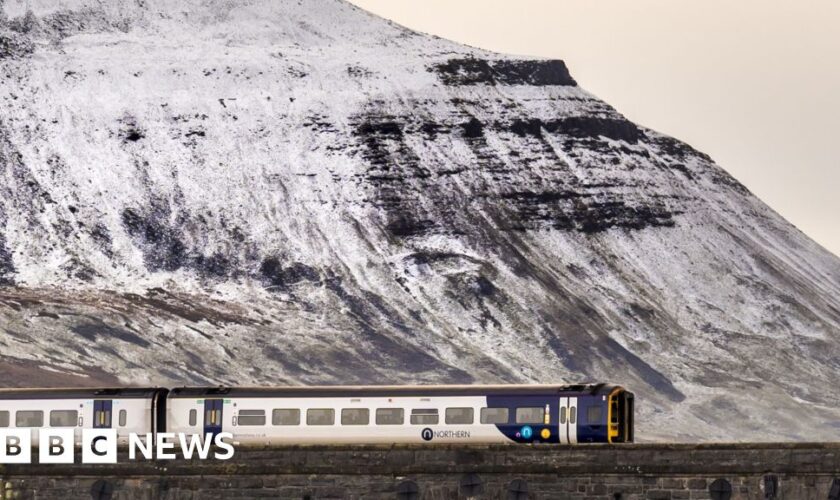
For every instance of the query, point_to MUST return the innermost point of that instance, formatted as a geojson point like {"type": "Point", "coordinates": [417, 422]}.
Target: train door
{"type": "Point", "coordinates": [102, 413]}
{"type": "Point", "coordinates": [568, 420]}
{"type": "Point", "coordinates": [212, 417]}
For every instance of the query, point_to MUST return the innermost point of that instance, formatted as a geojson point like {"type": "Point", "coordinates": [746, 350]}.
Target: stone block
{"type": "Point", "coordinates": [672, 483]}
{"type": "Point", "coordinates": [697, 484]}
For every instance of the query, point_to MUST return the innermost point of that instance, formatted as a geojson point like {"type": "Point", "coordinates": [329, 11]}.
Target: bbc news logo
{"type": "Point", "coordinates": [99, 446]}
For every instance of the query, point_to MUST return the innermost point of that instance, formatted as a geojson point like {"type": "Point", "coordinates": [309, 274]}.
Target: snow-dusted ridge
{"type": "Point", "coordinates": [273, 192]}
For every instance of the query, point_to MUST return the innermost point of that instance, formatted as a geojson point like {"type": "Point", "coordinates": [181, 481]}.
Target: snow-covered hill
{"type": "Point", "coordinates": [279, 191]}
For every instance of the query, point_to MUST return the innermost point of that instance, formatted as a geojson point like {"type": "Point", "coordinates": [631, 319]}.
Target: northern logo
{"type": "Point", "coordinates": [427, 434]}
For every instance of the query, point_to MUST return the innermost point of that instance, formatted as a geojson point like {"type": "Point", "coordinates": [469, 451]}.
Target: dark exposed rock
{"type": "Point", "coordinates": [15, 45]}
{"type": "Point", "coordinates": [393, 164]}
{"type": "Point", "coordinates": [134, 135]}
{"type": "Point", "coordinates": [274, 274]}
{"type": "Point", "coordinates": [465, 72]}
{"type": "Point", "coordinates": [406, 225]}
{"type": "Point", "coordinates": [397, 172]}
{"type": "Point", "coordinates": [581, 127]}
{"type": "Point", "coordinates": [677, 149]}
{"type": "Point", "coordinates": [588, 126]}
{"type": "Point", "coordinates": [217, 265]}
{"type": "Point", "coordinates": [569, 210]}
{"type": "Point", "coordinates": [473, 128]}
{"type": "Point", "coordinates": [66, 22]}
{"type": "Point", "coordinates": [532, 127]}
{"type": "Point", "coordinates": [7, 268]}
{"type": "Point", "coordinates": [472, 71]}
{"type": "Point", "coordinates": [359, 71]}
{"type": "Point", "coordinates": [537, 73]}
{"type": "Point", "coordinates": [24, 24]}
{"type": "Point", "coordinates": [102, 236]}
{"type": "Point", "coordinates": [150, 228]}
{"type": "Point", "coordinates": [432, 129]}
{"type": "Point", "coordinates": [379, 128]}
{"type": "Point", "coordinates": [163, 247]}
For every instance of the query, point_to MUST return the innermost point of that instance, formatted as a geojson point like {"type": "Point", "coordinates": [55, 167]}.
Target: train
{"type": "Point", "coordinates": [550, 414]}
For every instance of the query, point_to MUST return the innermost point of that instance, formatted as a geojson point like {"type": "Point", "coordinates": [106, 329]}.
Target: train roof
{"type": "Point", "coordinates": [391, 390]}
{"type": "Point", "coordinates": [81, 393]}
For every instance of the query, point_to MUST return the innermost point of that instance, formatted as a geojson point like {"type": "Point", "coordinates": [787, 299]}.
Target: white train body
{"type": "Point", "coordinates": [259, 426]}
{"type": "Point", "coordinates": [336, 415]}
{"type": "Point", "coordinates": [405, 414]}
{"type": "Point", "coordinates": [126, 410]}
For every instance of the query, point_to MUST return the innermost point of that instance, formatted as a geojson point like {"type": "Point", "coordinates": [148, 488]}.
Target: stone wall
{"type": "Point", "coordinates": [782, 471]}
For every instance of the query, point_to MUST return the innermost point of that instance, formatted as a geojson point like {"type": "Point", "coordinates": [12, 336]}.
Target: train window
{"type": "Point", "coordinates": [251, 417]}
{"type": "Point", "coordinates": [593, 415]}
{"type": "Point", "coordinates": [285, 416]}
{"type": "Point", "coordinates": [64, 418]}
{"type": "Point", "coordinates": [103, 417]}
{"type": "Point", "coordinates": [355, 416]}
{"type": "Point", "coordinates": [212, 417]}
{"type": "Point", "coordinates": [320, 416]}
{"type": "Point", "coordinates": [530, 415]}
{"type": "Point", "coordinates": [29, 419]}
{"type": "Point", "coordinates": [193, 417]}
{"type": "Point", "coordinates": [459, 416]}
{"type": "Point", "coordinates": [563, 415]}
{"type": "Point", "coordinates": [495, 415]}
{"type": "Point", "coordinates": [573, 415]}
{"type": "Point", "coordinates": [122, 416]}
{"type": "Point", "coordinates": [424, 416]}
{"type": "Point", "coordinates": [390, 416]}
{"type": "Point", "coordinates": [4, 419]}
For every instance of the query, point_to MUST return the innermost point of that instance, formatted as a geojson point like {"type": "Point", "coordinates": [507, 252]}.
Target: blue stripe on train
{"type": "Point", "coordinates": [595, 432]}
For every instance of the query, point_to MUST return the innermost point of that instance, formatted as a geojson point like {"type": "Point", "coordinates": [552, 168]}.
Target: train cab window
{"type": "Point", "coordinates": [459, 416]}
{"type": "Point", "coordinates": [390, 416]}
{"type": "Point", "coordinates": [4, 419]}
{"type": "Point", "coordinates": [495, 415]}
{"type": "Point", "coordinates": [122, 416]}
{"type": "Point", "coordinates": [355, 416]}
{"type": "Point", "coordinates": [29, 419]}
{"type": "Point", "coordinates": [285, 416]}
{"type": "Point", "coordinates": [64, 418]}
{"type": "Point", "coordinates": [530, 415]}
{"type": "Point", "coordinates": [614, 410]}
{"type": "Point", "coordinates": [424, 416]}
{"type": "Point", "coordinates": [320, 416]}
{"type": "Point", "coordinates": [251, 417]}
{"type": "Point", "coordinates": [193, 417]}
{"type": "Point", "coordinates": [594, 415]}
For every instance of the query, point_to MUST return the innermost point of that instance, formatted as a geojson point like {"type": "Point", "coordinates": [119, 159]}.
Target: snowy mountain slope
{"type": "Point", "coordinates": [273, 192]}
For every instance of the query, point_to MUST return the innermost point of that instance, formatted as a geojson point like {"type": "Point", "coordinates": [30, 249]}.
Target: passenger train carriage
{"type": "Point", "coordinates": [400, 414]}
{"type": "Point", "coordinates": [131, 410]}
{"type": "Point", "coordinates": [341, 414]}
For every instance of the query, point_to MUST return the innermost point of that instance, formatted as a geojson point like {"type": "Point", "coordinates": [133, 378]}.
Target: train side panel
{"type": "Point", "coordinates": [45, 410]}
{"type": "Point", "coordinates": [500, 418]}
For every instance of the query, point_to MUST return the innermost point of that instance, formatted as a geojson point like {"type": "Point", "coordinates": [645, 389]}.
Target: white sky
{"type": "Point", "coordinates": [753, 83]}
